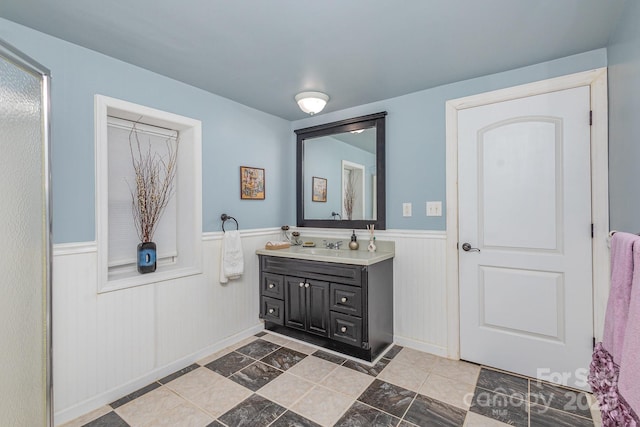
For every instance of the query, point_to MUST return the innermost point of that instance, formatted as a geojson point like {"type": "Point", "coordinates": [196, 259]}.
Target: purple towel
{"type": "Point", "coordinates": [615, 321]}
{"type": "Point", "coordinates": [629, 379]}
{"type": "Point", "coordinates": [615, 368]}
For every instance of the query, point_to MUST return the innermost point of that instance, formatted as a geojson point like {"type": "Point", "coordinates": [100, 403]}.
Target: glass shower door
{"type": "Point", "coordinates": [25, 326]}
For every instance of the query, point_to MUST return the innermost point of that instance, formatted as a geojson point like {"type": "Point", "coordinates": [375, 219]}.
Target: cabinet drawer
{"type": "Point", "coordinates": [346, 329]}
{"type": "Point", "coordinates": [272, 310]}
{"type": "Point", "coordinates": [346, 299]}
{"type": "Point", "coordinates": [272, 285]}
{"type": "Point", "coordinates": [327, 271]}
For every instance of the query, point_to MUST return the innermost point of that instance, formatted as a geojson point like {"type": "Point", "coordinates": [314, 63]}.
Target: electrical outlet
{"type": "Point", "coordinates": [434, 208]}
{"type": "Point", "coordinates": [406, 209]}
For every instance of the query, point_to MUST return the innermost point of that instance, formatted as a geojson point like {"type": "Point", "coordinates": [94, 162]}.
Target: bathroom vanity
{"type": "Point", "coordinates": [337, 299]}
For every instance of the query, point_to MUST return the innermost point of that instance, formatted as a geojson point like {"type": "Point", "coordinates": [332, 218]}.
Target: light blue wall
{"type": "Point", "coordinates": [416, 134]}
{"type": "Point", "coordinates": [235, 135]}
{"type": "Point", "coordinates": [624, 121]}
{"type": "Point", "coordinates": [232, 135]}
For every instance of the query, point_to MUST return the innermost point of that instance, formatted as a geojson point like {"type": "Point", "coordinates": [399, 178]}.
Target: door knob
{"type": "Point", "coordinates": [467, 248]}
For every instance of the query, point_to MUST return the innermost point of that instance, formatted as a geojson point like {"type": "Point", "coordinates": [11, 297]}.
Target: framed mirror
{"type": "Point", "coordinates": [340, 173]}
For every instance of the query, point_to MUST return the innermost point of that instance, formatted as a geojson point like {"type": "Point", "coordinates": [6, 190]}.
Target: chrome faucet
{"type": "Point", "coordinates": [332, 245]}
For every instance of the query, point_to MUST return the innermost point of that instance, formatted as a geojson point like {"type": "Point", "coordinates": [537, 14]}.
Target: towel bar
{"type": "Point", "coordinates": [612, 232]}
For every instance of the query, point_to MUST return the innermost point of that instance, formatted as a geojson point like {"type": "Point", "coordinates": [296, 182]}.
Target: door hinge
{"type": "Point", "coordinates": [592, 230]}
{"type": "Point", "coordinates": [594, 342]}
{"type": "Point", "coordinates": [591, 118]}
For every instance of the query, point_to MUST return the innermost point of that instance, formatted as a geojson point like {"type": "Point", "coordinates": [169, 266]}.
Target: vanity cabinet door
{"type": "Point", "coordinates": [307, 305]}
{"type": "Point", "coordinates": [295, 303]}
{"type": "Point", "coordinates": [318, 307]}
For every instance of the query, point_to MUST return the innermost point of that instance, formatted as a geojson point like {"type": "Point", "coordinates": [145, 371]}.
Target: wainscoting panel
{"type": "Point", "coordinates": [420, 298]}
{"type": "Point", "coordinates": [108, 345]}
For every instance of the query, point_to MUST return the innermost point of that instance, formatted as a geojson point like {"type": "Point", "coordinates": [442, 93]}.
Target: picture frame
{"type": "Point", "coordinates": [252, 183]}
{"type": "Point", "coordinates": [318, 189]}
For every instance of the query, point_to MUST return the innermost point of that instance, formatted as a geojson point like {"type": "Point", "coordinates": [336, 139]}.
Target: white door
{"type": "Point", "coordinates": [525, 204]}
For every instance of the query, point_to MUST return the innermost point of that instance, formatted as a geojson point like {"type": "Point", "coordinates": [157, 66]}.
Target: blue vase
{"type": "Point", "coordinates": [146, 257]}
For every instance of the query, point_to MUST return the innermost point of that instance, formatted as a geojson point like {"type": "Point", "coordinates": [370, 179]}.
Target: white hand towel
{"type": "Point", "coordinates": [231, 259]}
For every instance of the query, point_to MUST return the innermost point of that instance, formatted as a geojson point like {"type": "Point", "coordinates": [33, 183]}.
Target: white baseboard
{"type": "Point", "coordinates": [114, 394]}
{"type": "Point", "coordinates": [420, 345]}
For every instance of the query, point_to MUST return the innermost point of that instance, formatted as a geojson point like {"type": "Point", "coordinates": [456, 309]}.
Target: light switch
{"type": "Point", "coordinates": [406, 209]}
{"type": "Point", "coordinates": [434, 208]}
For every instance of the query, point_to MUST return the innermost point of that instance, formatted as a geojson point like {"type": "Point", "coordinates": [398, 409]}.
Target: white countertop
{"type": "Point", "coordinates": [362, 256]}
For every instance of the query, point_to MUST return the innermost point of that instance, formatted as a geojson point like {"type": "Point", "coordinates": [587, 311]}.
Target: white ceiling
{"type": "Point", "coordinates": [262, 52]}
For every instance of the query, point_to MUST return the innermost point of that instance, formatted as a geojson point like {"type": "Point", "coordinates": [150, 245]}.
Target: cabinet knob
{"type": "Point", "coordinates": [343, 329]}
{"type": "Point", "coordinates": [343, 299]}
{"type": "Point", "coordinates": [301, 284]}
{"type": "Point", "coordinates": [271, 311]}
{"type": "Point", "coordinates": [271, 286]}
{"type": "Point", "coordinates": [306, 285]}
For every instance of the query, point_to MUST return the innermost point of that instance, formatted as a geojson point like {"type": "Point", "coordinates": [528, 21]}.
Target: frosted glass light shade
{"type": "Point", "coordinates": [312, 102]}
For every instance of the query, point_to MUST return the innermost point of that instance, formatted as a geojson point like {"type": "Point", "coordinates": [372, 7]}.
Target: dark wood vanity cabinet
{"type": "Point", "coordinates": [342, 307]}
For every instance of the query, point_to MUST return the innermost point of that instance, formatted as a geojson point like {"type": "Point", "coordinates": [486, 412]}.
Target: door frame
{"type": "Point", "coordinates": [597, 80]}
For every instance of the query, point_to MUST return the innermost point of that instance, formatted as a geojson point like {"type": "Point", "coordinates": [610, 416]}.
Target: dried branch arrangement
{"type": "Point", "coordinates": [154, 183]}
{"type": "Point", "coordinates": [349, 195]}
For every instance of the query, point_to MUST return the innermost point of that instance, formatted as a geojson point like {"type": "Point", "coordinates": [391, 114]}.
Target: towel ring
{"type": "Point", "coordinates": [224, 217]}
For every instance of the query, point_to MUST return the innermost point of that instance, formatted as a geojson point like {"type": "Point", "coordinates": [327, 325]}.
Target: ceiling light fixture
{"type": "Point", "coordinates": [312, 102]}
{"type": "Point", "coordinates": [357, 131]}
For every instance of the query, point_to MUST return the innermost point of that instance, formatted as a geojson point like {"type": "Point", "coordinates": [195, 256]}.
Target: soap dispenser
{"type": "Point", "coordinates": [353, 244]}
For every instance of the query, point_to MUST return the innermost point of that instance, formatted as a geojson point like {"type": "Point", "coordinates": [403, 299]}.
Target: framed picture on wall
{"type": "Point", "coordinates": [251, 183]}
{"type": "Point", "coordinates": [319, 189]}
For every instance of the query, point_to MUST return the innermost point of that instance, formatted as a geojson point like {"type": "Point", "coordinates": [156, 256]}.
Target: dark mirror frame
{"type": "Point", "coordinates": [373, 120]}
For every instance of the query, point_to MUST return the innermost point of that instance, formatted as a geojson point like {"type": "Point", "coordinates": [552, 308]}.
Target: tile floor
{"type": "Point", "coordinates": [269, 380]}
